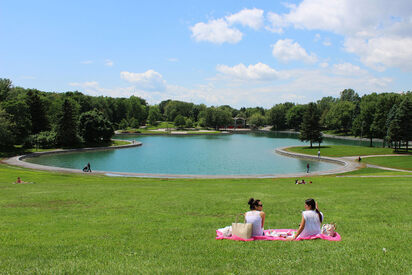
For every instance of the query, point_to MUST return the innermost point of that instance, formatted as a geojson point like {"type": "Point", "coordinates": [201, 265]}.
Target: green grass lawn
{"type": "Point", "coordinates": [68, 223]}
{"type": "Point", "coordinates": [341, 150]}
{"type": "Point", "coordinates": [399, 162]}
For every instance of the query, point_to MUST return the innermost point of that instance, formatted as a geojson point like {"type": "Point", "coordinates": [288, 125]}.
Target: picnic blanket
{"type": "Point", "coordinates": [271, 235]}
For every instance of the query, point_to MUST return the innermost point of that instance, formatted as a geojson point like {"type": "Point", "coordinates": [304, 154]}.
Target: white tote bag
{"type": "Point", "coordinates": [242, 230]}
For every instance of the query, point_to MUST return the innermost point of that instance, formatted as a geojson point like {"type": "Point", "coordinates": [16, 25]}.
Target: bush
{"type": "Point", "coordinates": [189, 123]}
{"type": "Point", "coordinates": [46, 139]}
{"type": "Point", "coordinates": [180, 121]}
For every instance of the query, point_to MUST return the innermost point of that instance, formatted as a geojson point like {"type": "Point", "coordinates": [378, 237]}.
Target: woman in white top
{"type": "Point", "coordinates": [311, 220]}
{"type": "Point", "coordinates": [256, 217]}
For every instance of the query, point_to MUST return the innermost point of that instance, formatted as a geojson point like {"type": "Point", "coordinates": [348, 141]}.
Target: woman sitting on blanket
{"type": "Point", "coordinates": [311, 220]}
{"type": "Point", "coordinates": [256, 217]}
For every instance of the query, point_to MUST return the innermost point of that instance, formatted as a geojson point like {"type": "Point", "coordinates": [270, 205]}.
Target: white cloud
{"type": "Point", "coordinates": [108, 63]}
{"type": "Point", "coordinates": [93, 88]}
{"type": "Point", "coordinates": [326, 42]}
{"type": "Point", "coordinates": [378, 31]}
{"type": "Point", "coordinates": [324, 64]}
{"type": "Point", "coordinates": [258, 72]}
{"type": "Point", "coordinates": [252, 18]}
{"type": "Point", "coordinates": [277, 22]}
{"type": "Point", "coordinates": [149, 80]}
{"type": "Point", "coordinates": [348, 69]}
{"type": "Point", "coordinates": [292, 98]}
{"type": "Point", "coordinates": [382, 52]}
{"type": "Point", "coordinates": [216, 31]}
{"type": "Point", "coordinates": [86, 62]}
{"type": "Point", "coordinates": [173, 59]}
{"type": "Point", "coordinates": [285, 51]}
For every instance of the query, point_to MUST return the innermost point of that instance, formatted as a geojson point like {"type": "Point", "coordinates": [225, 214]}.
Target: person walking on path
{"type": "Point", "coordinates": [307, 168]}
{"type": "Point", "coordinates": [318, 154]}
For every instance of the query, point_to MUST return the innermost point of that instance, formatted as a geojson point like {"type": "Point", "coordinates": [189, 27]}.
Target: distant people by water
{"type": "Point", "coordinates": [318, 154]}
{"type": "Point", "coordinates": [307, 168]}
{"type": "Point", "coordinates": [256, 217]}
{"type": "Point", "coordinates": [311, 220]}
{"type": "Point", "coordinates": [359, 159]}
{"type": "Point", "coordinates": [87, 168]}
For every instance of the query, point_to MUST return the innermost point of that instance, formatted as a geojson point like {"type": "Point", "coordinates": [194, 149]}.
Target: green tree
{"type": "Point", "coordinates": [294, 116]}
{"type": "Point", "coordinates": [180, 121]}
{"type": "Point", "coordinates": [137, 110]}
{"type": "Point", "coordinates": [154, 115]}
{"type": "Point", "coordinates": [5, 87]}
{"type": "Point", "coordinates": [310, 127]}
{"type": "Point", "coordinates": [393, 125]}
{"type": "Point", "coordinates": [123, 124]}
{"type": "Point", "coordinates": [340, 116]}
{"type": "Point", "coordinates": [362, 125]}
{"type": "Point", "coordinates": [95, 128]}
{"type": "Point", "coordinates": [324, 105]}
{"type": "Point", "coordinates": [404, 115]}
{"type": "Point", "coordinates": [67, 127]}
{"type": "Point", "coordinates": [383, 105]}
{"type": "Point", "coordinates": [189, 123]}
{"type": "Point", "coordinates": [20, 115]}
{"type": "Point", "coordinates": [349, 95]}
{"type": "Point", "coordinates": [223, 117]}
{"type": "Point", "coordinates": [39, 119]}
{"type": "Point", "coordinates": [175, 108]}
{"type": "Point", "coordinates": [257, 120]}
{"type": "Point", "coordinates": [276, 116]}
{"type": "Point", "coordinates": [7, 137]}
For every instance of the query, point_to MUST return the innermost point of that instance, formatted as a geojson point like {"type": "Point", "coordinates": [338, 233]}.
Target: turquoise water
{"type": "Point", "coordinates": [238, 154]}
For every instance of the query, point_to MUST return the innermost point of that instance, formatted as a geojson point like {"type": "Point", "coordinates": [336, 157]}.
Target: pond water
{"type": "Point", "coordinates": [237, 154]}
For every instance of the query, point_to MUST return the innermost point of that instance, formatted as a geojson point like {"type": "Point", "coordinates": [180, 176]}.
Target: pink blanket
{"type": "Point", "coordinates": [267, 237]}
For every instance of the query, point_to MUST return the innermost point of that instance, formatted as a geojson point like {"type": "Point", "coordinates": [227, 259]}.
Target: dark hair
{"type": "Point", "coordinates": [312, 204]}
{"type": "Point", "coordinates": [253, 203]}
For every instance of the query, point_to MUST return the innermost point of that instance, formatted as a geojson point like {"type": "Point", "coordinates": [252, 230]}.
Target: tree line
{"type": "Point", "coordinates": [47, 119]}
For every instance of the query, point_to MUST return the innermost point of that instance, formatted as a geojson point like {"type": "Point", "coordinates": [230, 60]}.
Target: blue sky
{"type": "Point", "coordinates": [241, 53]}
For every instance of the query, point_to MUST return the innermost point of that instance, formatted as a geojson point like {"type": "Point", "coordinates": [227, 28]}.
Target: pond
{"type": "Point", "coordinates": [234, 154]}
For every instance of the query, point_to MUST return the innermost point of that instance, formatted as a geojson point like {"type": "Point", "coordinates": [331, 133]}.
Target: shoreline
{"type": "Point", "coordinates": [346, 166]}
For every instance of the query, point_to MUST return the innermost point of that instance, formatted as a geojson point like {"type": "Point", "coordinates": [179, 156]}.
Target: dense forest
{"type": "Point", "coordinates": [30, 117]}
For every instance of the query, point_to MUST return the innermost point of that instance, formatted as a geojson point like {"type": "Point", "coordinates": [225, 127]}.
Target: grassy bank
{"type": "Point", "coordinates": [341, 150]}
{"type": "Point", "coordinates": [94, 224]}
{"type": "Point", "coordinates": [398, 162]}
{"type": "Point", "coordinates": [19, 150]}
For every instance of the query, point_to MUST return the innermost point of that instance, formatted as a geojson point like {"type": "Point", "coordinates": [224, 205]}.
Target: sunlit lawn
{"type": "Point", "coordinates": [66, 223]}
{"type": "Point", "coordinates": [399, 162]}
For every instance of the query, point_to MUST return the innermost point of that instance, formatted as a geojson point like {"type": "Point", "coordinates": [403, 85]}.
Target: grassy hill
{"type": "Point", "coordinates": [66, 223]}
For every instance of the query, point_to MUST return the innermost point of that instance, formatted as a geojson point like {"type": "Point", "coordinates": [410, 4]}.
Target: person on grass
{"type": "Point", "coordinates": [256, 217]}
{"type": "Point", "coordinates": [311, 220]}
{"type": "Point", "coordinates": [20, 181]}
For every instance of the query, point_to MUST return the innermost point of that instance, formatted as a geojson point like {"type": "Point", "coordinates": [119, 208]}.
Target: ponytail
{"type": "Point", "coordinates": [312, 204]}
{"type": "Point", "coordinates": [320, 215]}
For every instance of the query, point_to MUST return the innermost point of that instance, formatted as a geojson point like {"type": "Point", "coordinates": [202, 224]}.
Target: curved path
{"type": "Point", "coordinates": [346, 165]}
